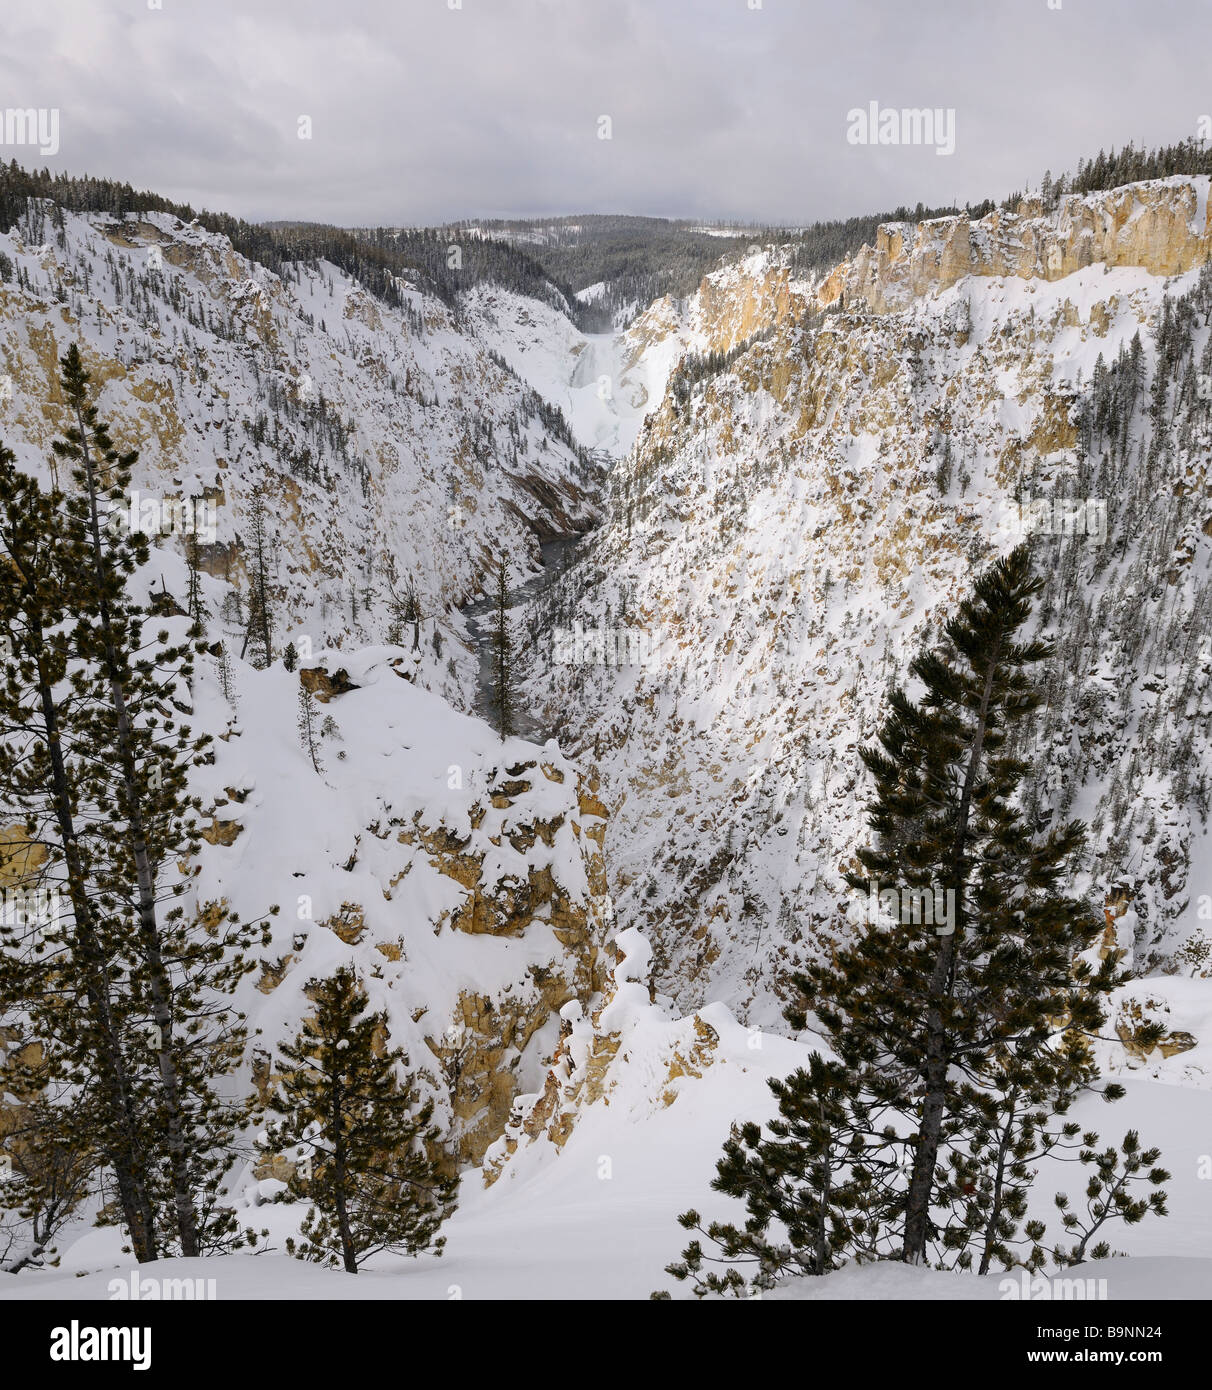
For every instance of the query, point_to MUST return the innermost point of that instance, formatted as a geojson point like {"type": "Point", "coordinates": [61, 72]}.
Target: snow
{"type": "Point", "coordinates": [1147, 1277]}
{"type": "Point", "coordinates": [499, 1270]}
{"type": "Point", "coordinates": [597, 1219]}
{"type": "Point", "coordinates": [390, 436]}
{"type": "Point", "coordinates": [785, 550]}
{"type": "Point", "coordinates": [763, 566]}
{"type": "Point", "coordinates": [599, 383]}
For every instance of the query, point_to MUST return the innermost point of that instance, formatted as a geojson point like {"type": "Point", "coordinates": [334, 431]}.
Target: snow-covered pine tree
{"type": "Point", "coordinates": [921, 1008]}
{"type": "Point", "coordinates": [971, 1026]}
{"type": "Point", "coordinates": [49, 1161]}
{"type": "Point", "coordinates": [370, 1159]}
{"type": "Point", "coordinates": [259, 632]}
{"type": "Point", "coordinates": [818, 1172]}
{"type": "Point", "coordinates": [154, 813]}
{"type": "Point", "coordinates": [193, 559]}
{"type": "Point", "coordinates": [42, 764]}
{"type": "Point", "coordinates": [178, 966]}
{"type": "Point", "coordinates": [309, 730]}
{"type": "Point", "coordinates": [227, 682]}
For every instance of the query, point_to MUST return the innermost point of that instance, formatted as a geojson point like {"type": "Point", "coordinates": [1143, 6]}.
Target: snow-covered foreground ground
{"type": "Point", "coordinates": [560, 1228]}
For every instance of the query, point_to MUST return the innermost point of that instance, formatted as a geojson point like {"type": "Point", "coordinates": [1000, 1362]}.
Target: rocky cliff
{"type": "Point", "coordinates": [789, 532]}
{"type": "Point", "coordinates": [397, 459]}
{"type": "Point", "coordinates": [1161, 227]}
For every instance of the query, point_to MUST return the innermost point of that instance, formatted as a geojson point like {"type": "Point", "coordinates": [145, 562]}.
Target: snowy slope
{"type": "Point", "coordinates": [602, 382]}
{"type": "Point", "coordinates": [595, 1217]}
{"type": "Point", "coordinates": [784, 539]}
{"type": "Point", "coordinates": [460, 874]}
{"type": "Point", "coordinates": [607, 385]}
{"type": "Point", "coordinates": [394, 452]}
{"type": "Point", "coordinates": [784, 532]}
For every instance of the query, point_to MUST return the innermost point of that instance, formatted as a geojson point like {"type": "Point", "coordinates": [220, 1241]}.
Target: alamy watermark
{"type": "Point", "coordinates": [912, 125]}
{"type": "Point", "coordinates": [142, 1288]}
{"type": "Point", "coordinates": [1044, 1289]}
{"type": "Point", "coordinates": [31, 909]}
{"type": "Point", "coordinates": [159, 516]}
{"type": "Point", "coordinates": [603, 646]}
{"type": "Point", "coordinates": [931, 906]}
{"type": "Point", "coordinates": [31, 125]}
{"type": "Point", "coordinates": [1057, 516]}
{"type": "Point", "coordinates": [86, 1343]}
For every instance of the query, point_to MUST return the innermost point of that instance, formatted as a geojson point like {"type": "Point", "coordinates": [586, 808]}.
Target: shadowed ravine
{"type": "Point", "coordinates": [480, 619]}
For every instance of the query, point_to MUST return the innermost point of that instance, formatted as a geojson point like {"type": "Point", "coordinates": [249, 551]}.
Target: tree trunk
{"type": "Point", "coordinates": [348, 1252]}
{"type": "Point", "coordinates": [999, 1183]}
{"type": "Point", "coordinates": [128, 1162]}
{"type": "Point", "coordinates": [942, 981]}
{"type": "Point", "coordinates": [159, 987]}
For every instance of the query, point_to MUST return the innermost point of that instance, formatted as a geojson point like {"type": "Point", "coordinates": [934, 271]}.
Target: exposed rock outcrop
{"type": "Point", "coordinates": [1161, 226]}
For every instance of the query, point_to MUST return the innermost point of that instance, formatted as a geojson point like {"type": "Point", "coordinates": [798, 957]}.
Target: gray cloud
{"type": "Point", "coordinates": [421, 112]}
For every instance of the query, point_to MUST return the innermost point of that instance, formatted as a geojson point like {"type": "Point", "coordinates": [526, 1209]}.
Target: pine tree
{"type": "Point", "coordinates": [818, 1172]}
{"type": "Point", "coordinates": [308, 721]}
{"type": "Point", "coordinates": [1005, 966]}
{"type": "Point", "coordinates": [194, 604]}
{"type": "Point", "coordinates": [150, 974]}
{"type": "Point", "coordinates": [349, 1108]}
{"type": "Point", "coordinates": [412, 614]}
{"type": "Point", "coordinates": [1011, 1124]}
{"type": "Point", "coordinates": [49, 1162]}
{"type": "Point", "coordinates": [963, 1035]}
{"type": "Point", "coordinates": [153, 757]}
{"type": "Point", "coordinates": [259, 632]}
{"type": "Point", "coordinates": [226, 679]}
{"type": "Point", "coordinates": [1110, 1195]}
{"type": "Point", "coordinates": [41, 769]}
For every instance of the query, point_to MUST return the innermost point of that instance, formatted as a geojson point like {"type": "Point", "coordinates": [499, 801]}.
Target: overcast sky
{"type": "Point", "coordinates": [421, 112]}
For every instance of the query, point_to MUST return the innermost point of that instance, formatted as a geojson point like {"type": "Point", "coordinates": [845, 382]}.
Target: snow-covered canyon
{"type": "Point", "coordinates": [584, 944]}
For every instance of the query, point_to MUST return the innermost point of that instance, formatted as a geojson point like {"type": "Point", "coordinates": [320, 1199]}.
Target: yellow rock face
{"type": "Point", "coordinates": [324, 685]}
{"type": "Point", "coordinates": [275, 1166]}
{"type": "Point", "coordinates": [221, 832]}
{"type": "Point", "coordinates": [20, 857]}
{"type": "Point", "coordinates": [475, 1053]}
{"type": "Point", "coordinates": [697, 1056]}
{"type": "Point", "coordinates": [736, 310]}
{"type": "Point", "coordinates": [473, 1056]}
{"type": "Point", "coordinates": [1129, 1022]}
{"type": "Point", "coordinates": [349, 924]}
{"type": "Point", "coordinates": [273, 973]}
{"type": "Point", "coordinates": [1148, 225]}
{"type": "Point", "coordinates": [582, 1076]}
